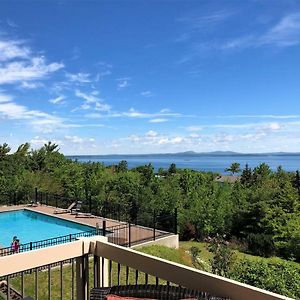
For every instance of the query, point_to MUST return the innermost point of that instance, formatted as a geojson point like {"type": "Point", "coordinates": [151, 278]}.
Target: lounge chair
{"type": "Point", "coordinates": [33, 204]}
{"type": "Point", "coordinates": [78, 213]}
{"type": "Point", "coordinates": [84, 215]}
{"type": "Point", "coordinates": [67, 210]}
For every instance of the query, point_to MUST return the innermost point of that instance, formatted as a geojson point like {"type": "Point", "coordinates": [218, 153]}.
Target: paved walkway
{"type": "Point", "coordinates": [137, 234]}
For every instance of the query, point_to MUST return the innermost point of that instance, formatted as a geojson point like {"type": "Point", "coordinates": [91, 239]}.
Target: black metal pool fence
{"type": "Point", "coordinates": [137, 224]}
{"type": "Point", "coordinates": [126, 235]}
{"type": "Point", "coordinates": [123, 212]}
{"type": "Point", "coordinates": [50, 242]}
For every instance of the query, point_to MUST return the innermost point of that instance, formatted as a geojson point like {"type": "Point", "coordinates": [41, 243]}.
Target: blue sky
{"type": "Point", "coordinates": [102, 77]}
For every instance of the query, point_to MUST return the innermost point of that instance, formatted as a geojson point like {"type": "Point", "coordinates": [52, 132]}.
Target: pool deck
{"type": "Point", "coordinates": [138, 233]}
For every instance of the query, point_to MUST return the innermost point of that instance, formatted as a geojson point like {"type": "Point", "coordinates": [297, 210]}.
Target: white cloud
{"type": "Point", "coordinates": [285, 33]}
{"type": "Point", "coordinates": [262, 116]}
{"type": "Point", "coordinates": [35, 68]}
{"type": "Point", "coordinates": [89, 98]}
{"type": "Point", "coordinates": [31, 85]}
{"type": "Point", "coordinates": [93, 116]}
{"type": "Point", "coordinates": [151, 133]}
{"type": "Point", "coordinates": [79, 77]}
{"type": "Point", "coordinates": [146, 94]}
{"type": "Point", "coordinates": [123, 82]}
{"type": "Point", "coordinates": [158, 120]}
{"type": "Point", "coordinates": [10, 49]}
{"type": "Point", "coordinates": [92, 101]}
{"type": "Point", "coordinates": [74, 139]}
{"type": "Point", "coordinates": [132, 113]}
{"type": "Point", "coordinates": [37, 120]}
{"type": "Point", "coordinates": [5, 98]}
{"type": "Point", "coordinates": [57, 100]}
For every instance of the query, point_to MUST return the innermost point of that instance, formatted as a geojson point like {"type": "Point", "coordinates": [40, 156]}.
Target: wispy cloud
{"type": "Point", "coordinates": [123, 82]}
{"type": "Point", "coordinates": [146, 94]}
{"type": "Point", "coordinates": [78, 140]}
{"type": "Point", "coordinates": [284, 33]}
{"type": "Point", "coordinates": [37, 120]}
{"type": "Point", "coordinates": [78, 77]}
{"type": "Point", "coordinates": [19, 71]}
{"type": "Point", "coordinates": [205, 21]}
{"type": "Point", "coordinates": [261, 116]}
{"type": "Point", "coordinates": [158, 120]}
{"type": "Point", "coordinates": [92, 101]}
{"type": "Point", "coordinates": [10, 49]}
{"type": "Point", "coordinates": [57, 100]}
{"type": "Point", "coordinates": [257, 126]}
{"type": "Point", "coordinates": [31, 85]}
{"type": "Point", "coordinates": [156, 117]}
{"type": "Point", "coordinates": [11, 23]}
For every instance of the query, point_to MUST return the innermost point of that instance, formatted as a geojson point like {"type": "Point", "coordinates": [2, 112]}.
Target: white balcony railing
{"type": "Point", "coordinates": [107, 258]}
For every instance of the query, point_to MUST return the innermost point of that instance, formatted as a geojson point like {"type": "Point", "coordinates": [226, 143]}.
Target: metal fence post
{"type": "Point", "coordinates": [175, 222]}
{"type": "Point", "coordinates": [129, 234]}
{"type": "Point", "coordinates": [104, 227]}
{"type": "Point", "coordinates": [90, 203]}
{"type": "Point", "coordinates": [35, 195]}
{"type": "Point", "coordinates": [154, 225]}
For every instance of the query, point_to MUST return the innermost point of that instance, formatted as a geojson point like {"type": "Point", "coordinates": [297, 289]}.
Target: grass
{"type": "Point", "coordinates": [181, 255]}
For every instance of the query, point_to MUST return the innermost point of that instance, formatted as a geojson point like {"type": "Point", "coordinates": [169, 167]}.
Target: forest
{"type": "Point", "coordinates": [259, 213]}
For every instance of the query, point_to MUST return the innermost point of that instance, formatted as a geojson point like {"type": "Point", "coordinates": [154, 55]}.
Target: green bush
{"type": "Point", "coordinates": [261, 244]}
{"type": "Point", "coordinates": [278, 277]}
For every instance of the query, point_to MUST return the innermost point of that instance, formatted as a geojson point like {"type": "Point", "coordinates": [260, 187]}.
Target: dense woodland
{"type": "Point", "coordinates": [260, 213]}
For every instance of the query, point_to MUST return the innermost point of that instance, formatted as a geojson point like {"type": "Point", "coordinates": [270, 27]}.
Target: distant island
{"type": "Point", "coordinates": [194, 154]}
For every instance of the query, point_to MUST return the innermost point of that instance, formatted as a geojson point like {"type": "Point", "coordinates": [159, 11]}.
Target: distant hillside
{"type": "Point", "coordinates": [192, 153]}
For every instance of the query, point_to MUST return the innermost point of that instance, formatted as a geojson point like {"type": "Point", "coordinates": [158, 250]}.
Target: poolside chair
{"type": "Point", "coordinates": [79, 214]}
{"type": "Point", "coordinates": [67, 210]}
{"type": "Point", "coordinates": [33, 204]}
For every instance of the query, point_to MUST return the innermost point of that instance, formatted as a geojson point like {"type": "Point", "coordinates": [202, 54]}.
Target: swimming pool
{"type": "Point", "coordinates": [31, 226]}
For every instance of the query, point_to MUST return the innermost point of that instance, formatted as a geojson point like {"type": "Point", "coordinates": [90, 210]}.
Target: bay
{"type": "Point", "coordinates": [208, 163]}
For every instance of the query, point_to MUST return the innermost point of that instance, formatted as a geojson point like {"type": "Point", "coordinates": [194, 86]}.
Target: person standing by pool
{"type": "Point", "coordinates": [15, 245]}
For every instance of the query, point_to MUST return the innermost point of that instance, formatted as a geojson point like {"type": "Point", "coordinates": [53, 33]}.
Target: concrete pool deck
{"type": "Point", "coordinates": [138, 233]}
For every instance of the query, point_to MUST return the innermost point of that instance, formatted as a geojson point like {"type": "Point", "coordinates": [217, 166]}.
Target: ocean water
{"type": "Point", "coordinates": [31, 226]}
{"type": "Point", "coordinates": [212, 163]}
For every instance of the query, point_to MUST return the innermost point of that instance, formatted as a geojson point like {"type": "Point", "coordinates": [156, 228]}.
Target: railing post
{"type": "Point", "coordinates": [175, 222]}
{"type": "Point", "coordinates": [154, 225]}
{"type": "Point", "coordinates": [35, 195]}
{"type": "Point", "coordinates": [81, 280]}
{"type": "Point", "coordinates": [104, 209]}
{"type": "Point", "coordinates": [129, 234]}
{"type": "Point", "coordinates": [119, 212]}
{"type": "Point", "coordinates": [30, 245]}
{"type": "Point", "coordinates": [70, 237]}
{"type": "Point", "coordinates": [90, 203]}
{"type": "Point", "coordinates": [104, 227]}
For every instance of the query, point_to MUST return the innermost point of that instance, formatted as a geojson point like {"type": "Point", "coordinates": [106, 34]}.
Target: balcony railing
{"type": "Point", "coordinates": [70, 271]}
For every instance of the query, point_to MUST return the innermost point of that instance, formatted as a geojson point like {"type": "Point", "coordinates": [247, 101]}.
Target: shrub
{"type": "Point", "coordinates": [223, 257]}
{"type": "Point", "coordinates": [261, 244]}
{"type": "Point", "coordinates": [187, 231]}
{"type": "Point", "coordinates": [278, 277]}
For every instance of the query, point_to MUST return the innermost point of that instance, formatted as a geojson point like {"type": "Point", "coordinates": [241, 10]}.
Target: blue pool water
{"type": "Point", "coordinates": [30, 226]}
